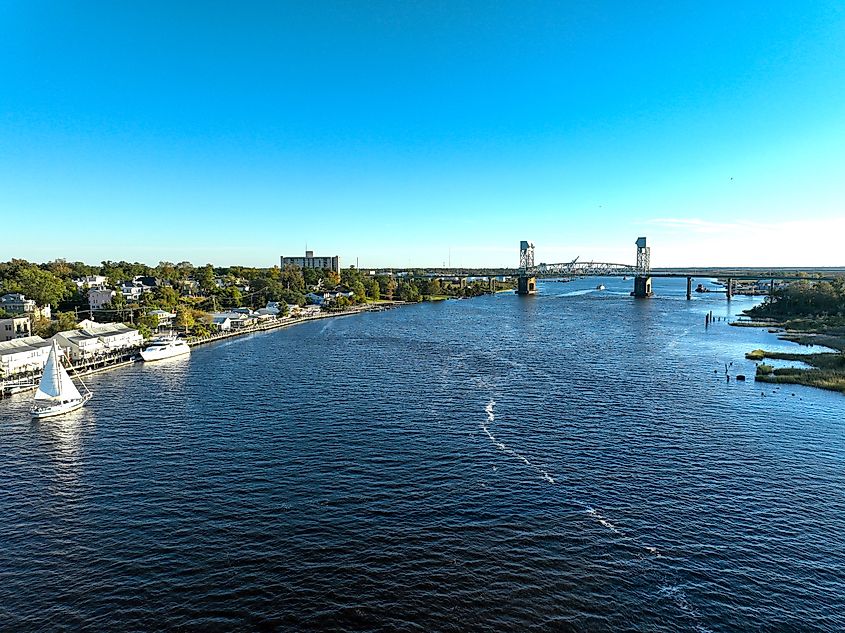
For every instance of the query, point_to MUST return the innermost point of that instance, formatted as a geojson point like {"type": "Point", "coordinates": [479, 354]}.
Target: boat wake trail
{"type": "Point", "coordinates": [602, 521]}
{"type": "Point", "coordinates": [667, 591]}
{"type": "Point", "coordinates": [491, 417]}
{"type": "Point", "coordinates": [489, 410]}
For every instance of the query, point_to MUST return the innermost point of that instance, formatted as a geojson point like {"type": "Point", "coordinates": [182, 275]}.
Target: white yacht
{"type": "Point", "coordinates": [56, 392]}
{"type": "Point", "coordinates": [162, 347]}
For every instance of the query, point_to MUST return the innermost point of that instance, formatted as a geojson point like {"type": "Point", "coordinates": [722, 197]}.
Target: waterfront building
{"type": "Point", "coordinates": [23, 355]}
{"type": "Point", "coordinates": [221, 322]}
{"type": "Point", "coordinates": [310, 261]}
{"type": "Point", "coordinates": [16, 303]}
{"type": "Point", "coordinates": [95, 339]}
{"type": "Point", "coordinates": [319, 298]}
{"type": "Point", "coordinates": [15, 327]}
{"type": "Point", "coordinates": [100, 297]}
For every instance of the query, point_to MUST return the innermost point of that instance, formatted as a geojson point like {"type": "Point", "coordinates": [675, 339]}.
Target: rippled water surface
{"type": "Point", "coordinates": [575, 460]}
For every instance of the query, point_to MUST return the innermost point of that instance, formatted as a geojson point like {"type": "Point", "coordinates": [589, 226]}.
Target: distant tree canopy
{"type": "Point", "coordinates": [804, 299]}
{"type": "Point", "coordinates": [44, 287]}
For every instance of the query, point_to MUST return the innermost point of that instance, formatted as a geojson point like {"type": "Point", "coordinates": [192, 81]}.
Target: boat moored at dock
{"type": "Point", "coordinates": [163, 347]}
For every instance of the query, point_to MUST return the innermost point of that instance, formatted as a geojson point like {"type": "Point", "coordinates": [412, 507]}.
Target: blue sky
{"type": "Point", "coordinates": [406, 133]}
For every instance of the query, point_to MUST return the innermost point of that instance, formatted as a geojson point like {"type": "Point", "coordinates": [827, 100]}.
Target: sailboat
{"type": "Point", "coordinates": [56, 392]}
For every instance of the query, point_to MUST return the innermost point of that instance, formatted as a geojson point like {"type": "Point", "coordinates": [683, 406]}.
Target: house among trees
{"type": "Point", "coordinates": [165, 318]}
{"type": "Point", "coordinates": [98, 298]}
{"type": "Point", "coordinates": [17, 303]}
{"type": "Point", "coordinates": [90, 281]}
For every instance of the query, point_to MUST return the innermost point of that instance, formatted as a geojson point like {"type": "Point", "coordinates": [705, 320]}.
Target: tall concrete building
{"type": "Point", "coordinates": [309, 261]}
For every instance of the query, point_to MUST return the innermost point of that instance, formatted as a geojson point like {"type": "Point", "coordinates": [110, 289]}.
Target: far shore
{"type": "Point", "coordinates": [826, 368]}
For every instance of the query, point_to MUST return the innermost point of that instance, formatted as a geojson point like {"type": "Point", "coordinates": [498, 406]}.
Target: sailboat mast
{"type": "Point", "coordinates": [56, 366]}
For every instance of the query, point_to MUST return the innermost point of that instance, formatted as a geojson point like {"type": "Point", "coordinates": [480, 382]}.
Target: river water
{"type": "Point", "coordinates": [576, 460]}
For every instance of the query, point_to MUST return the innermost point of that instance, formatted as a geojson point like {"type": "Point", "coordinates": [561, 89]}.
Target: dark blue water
{"type": "Point", "coordinates": [570, 461]}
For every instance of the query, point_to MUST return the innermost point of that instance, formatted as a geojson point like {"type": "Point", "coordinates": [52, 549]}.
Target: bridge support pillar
{"type": "Point", "coordinates": [526, 285]}
{"type": "Point", "coordinates": [642, 287]}
{"type": "Point", "coordinates": [729, 290]}
{"type": "Point", "coordinates": [689, 288]}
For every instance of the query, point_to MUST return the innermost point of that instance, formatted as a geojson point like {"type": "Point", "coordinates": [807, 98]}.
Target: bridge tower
{"type": "Point", "coordinates": [642, 280]}
{"type": "Point", "coordinates": [526, 282]}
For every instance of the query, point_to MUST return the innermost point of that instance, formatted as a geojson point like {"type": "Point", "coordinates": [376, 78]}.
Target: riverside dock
{"type": "Point", "coordinates": [29, 381]}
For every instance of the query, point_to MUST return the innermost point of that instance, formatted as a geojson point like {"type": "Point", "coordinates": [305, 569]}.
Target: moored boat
{"type": "Point", "coordinates": [163, 347]}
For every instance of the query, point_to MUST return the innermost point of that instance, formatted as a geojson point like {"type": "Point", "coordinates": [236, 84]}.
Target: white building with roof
{"type": "Point", "coordinates": [91, 281]}
{"type": "Point", "coordinates": [100, 297]}
{"type": "Point", "coordinates": [165, 318]}
{"type": "Point", "coordinates": [221, 322]}
{"type": "Point", "coordinates": [95, 339]}
{"type": "Point", "coordinates": [23, 355]}
{"type": "Point", "coordinates": [237, 320]}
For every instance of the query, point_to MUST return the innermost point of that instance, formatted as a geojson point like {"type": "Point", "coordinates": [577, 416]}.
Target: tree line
{"type": "Point", "coordinates": [804, 299]}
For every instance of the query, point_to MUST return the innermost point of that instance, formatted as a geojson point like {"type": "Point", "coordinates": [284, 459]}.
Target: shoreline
{"type": "Point", "coordinates": [24, 385]}
{"type": "Point", "coordinates": [826, 368]}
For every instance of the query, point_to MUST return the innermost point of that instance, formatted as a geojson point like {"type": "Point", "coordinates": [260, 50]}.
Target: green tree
{"type": "Point", "coordinates": [387, 285]}
{"type": "Point", "coordinates": [408, 292]}
{"type": "Point", "coordinates": [63, 322]}
{"type": "Point", "coordinates": [148, 321]}
{"type": "Point", "coordinates": [231, 297]}
{"type": "Point", "coordinates": [359, 292]}
{"type": "Point", "coordinates": [349, 276]}
{"type": "Point", "coordinates": [42, 286]}
{"type": "Point", "coordinates": [373, 289]}
{"type": "Point", "coordinates": [292, 278]}
{"type": "Point", "coordinates": [184, 317]}
{"type": "Point", "coordinates": [205, 277]}
{"type": "Point", "coordinates": [311, 276]}
{"type": "Point", "coordinates": [331, 278]}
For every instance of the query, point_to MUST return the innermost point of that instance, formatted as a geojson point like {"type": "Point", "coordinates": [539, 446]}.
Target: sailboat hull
{"type": "Point", "coordinates": [51, 410]}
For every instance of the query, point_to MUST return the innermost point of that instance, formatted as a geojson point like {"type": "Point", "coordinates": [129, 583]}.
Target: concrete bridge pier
{"type": "Point", "coordinates": [526, 285]}
{"type": "Point", "coordinates": [642, 287]}
{"type": "Point", "coordinates": [689, 288]}
{"type": "Point", "coordinates": [729, 290]}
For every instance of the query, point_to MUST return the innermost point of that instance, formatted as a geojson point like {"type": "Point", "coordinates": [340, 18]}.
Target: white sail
{"type": "Point", "coordinates": [55, 383]}
{"type": "Point", "coordinates": [69, 390]}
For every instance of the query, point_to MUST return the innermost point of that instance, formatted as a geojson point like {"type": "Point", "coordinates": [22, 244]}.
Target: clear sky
{"type": "Point", "coordinates": [409, 133]}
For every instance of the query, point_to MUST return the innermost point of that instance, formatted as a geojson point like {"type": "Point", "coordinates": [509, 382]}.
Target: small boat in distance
{"type": "Point", "coordinates": [600, 287]}
{"type": "Point", "coordinates": [56, 392]}
{"type": "Point", "coordinates": [162, 347]}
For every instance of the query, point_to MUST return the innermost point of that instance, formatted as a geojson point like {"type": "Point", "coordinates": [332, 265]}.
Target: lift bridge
{"type": "Point", "coordinates": [529, 272]}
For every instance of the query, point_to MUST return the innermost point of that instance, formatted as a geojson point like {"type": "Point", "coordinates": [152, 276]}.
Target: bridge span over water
{"type": "Point", "coordinates": [642, 272]}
